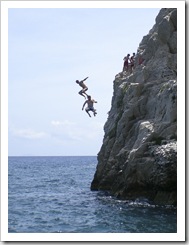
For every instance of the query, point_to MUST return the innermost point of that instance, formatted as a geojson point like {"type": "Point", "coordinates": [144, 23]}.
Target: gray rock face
{"type": "Point", "coordinates": [138, 157]}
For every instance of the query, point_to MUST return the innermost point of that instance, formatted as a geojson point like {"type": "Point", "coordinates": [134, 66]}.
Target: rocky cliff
{"type": "Point", "coordinates": [138, 158]}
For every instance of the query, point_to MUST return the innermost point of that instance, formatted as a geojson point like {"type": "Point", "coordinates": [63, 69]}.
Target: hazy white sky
{"type": "Point", "coordinates": [50, 48]}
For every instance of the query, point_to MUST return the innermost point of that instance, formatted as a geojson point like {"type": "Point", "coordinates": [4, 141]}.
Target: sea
{"type": "Point", "coordinates": [52, 195]}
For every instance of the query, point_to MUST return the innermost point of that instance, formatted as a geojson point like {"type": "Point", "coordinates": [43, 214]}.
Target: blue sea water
{"type": "Point", "coordinates": [52, 195]}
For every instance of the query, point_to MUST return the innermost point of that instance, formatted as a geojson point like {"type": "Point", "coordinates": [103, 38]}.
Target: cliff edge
{"type": "Point", "coordinates": [138, 157]}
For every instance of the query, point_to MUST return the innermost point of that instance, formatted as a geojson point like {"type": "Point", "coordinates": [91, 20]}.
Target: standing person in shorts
{"type": "Point", "coordinates": [84, 87]}
{"type": "Point", "coordinates": [126, 63]}
{"type": "Point", "coordinates": [90, 107]}
{"type": "Point", "coordinates": [132, 62]}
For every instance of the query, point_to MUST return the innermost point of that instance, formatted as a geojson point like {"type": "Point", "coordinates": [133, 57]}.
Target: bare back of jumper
{"type": "Point", "coordinates": [81, 84]}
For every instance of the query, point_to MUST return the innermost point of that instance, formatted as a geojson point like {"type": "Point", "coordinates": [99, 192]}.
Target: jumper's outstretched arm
{"type": "Point", "coordinates": [84, 79]}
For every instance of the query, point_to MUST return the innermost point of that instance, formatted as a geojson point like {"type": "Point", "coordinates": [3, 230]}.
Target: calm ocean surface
{"type": "Point", "coordinates": [52, 194]}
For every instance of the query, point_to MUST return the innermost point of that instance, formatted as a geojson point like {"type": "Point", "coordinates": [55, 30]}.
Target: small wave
{"type": "Point", "coordinates": [52, 181]}
{"type": "Point", "coordinates": [11, 230]}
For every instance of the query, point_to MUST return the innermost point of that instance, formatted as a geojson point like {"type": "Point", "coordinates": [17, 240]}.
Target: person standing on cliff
{"type": "Point", "coordinates": [90, 107]}
{"type": "Point", "coordinates": [132, 62]}
{"type": "Point", "coordinates": [126, 63]}
{"type": "Point", "coordinates": [84, 87]}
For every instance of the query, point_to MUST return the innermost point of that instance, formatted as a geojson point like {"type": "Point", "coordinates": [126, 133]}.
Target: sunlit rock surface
{"type": "Point", "coordinates": [138, 157]}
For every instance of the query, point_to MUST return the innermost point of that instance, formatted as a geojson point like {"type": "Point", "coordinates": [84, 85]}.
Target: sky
{"type": "Point", "coordinates": [48, 50]}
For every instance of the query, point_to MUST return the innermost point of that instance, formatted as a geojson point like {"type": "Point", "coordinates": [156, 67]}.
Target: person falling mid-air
{"type": "Point", "coordinates": [90, 107]}
{"type": "Point", "coordinates": [84, 87]}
